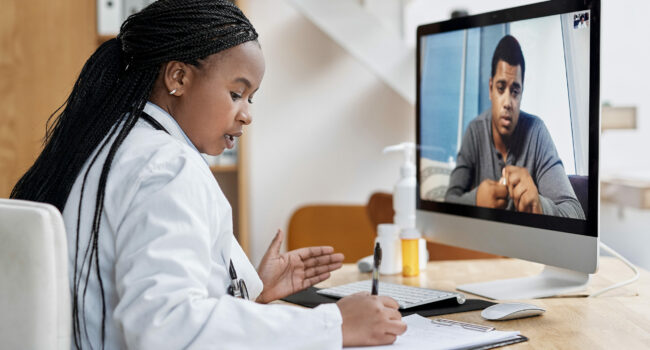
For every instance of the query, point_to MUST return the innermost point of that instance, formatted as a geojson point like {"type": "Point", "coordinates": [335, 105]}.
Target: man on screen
{"type": "Point", "coordinates": [507, 159]}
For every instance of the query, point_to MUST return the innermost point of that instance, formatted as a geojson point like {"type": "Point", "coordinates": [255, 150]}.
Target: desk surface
{"type": "Point", "coordinates": [619, 319]}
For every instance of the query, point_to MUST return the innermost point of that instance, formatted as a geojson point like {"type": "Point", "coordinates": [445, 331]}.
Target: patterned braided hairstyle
{"type": "Point", "coordinates": [106, 102]}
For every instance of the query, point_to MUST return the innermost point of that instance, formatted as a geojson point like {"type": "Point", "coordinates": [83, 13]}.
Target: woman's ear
{"type": "Point", "coordinates": [176, 77]}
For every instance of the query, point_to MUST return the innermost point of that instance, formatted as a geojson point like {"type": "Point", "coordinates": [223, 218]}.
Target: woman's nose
{"type": "Point", "coordinates": [245, 116]}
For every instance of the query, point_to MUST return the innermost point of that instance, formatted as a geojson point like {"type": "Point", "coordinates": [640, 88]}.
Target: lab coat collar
{"type": "Point", "coordinates": [169, 123]}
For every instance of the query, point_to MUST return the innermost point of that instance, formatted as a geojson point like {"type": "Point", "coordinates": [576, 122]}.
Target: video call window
{"type": "Point", "coordinates": [505, 114]}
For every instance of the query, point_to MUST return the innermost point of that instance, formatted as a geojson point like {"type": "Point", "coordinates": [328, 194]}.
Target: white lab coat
{"type": "Point", "coordinates": [165, 242]}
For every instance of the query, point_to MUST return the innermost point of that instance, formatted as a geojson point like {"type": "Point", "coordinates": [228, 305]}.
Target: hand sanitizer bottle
{"type": "Point", "coordinates": [404, 206]}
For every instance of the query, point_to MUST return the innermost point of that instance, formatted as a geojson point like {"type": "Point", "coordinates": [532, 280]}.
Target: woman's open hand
{"type": "Point", "coordinates": [287, 273]}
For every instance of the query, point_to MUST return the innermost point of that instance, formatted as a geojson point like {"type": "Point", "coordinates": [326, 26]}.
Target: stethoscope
{"type": "Point", "coordinates": [237, 286]}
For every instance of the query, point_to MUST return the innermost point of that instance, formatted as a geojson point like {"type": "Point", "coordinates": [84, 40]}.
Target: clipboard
{"type": "Point", "coordinates": [480, 328]}
{"type": "Point", "coordinates": [443, 334]}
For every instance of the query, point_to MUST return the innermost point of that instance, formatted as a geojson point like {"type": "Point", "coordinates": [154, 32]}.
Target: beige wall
{"type": "Point", "coordinates": [321, 120]}
{"type": "Point", "coordinates": [625, 72]}
{"type": "Point", "coordinates": [43, 45]}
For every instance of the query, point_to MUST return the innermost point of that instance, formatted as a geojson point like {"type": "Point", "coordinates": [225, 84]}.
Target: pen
{"type": "Point", "coordinates": [234, 287]}
{"type": "Point", "coordinates": [375, 269]}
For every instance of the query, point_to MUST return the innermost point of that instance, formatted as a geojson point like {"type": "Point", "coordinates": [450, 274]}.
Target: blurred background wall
{"type": "Point", "coordinates": [321, 121]}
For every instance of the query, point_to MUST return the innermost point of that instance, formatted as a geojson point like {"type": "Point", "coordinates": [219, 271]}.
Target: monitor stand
{"type": "Point", "coordinates": [550, 282]}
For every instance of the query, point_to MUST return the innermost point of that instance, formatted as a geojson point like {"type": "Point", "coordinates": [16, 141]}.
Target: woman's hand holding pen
{"type": "Point", "coordinates": [370, 320]}
{"type": "Point", "coordinates": [287, 273]}
{"type": "Point", "coordinates": [367, 319]}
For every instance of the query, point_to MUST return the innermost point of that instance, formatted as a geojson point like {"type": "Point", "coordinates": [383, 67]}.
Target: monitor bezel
{"type": "Point", "coordinates": [588, 227]}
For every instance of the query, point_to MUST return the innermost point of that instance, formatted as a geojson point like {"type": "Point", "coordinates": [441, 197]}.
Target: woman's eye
{"type": "Point", "coordinates": [250, 100]}
{"type": "Point", "coordinates": [235, 96]}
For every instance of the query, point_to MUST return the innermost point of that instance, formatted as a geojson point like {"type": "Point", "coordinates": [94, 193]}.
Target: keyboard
{"type": "Point", "coordinates": [406, 296]}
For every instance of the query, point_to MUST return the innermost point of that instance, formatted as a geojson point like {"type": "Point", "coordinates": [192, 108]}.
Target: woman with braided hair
{"type": "Point", "coordinates": [153, 260]}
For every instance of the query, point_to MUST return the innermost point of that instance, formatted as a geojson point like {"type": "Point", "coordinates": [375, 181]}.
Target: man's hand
{"type": "Point", "coordinates": [522, 189]}
{"type": "Point", "coordinates": [491, 194]}
{"type": "Point", "coordinates": [290, 272]}
{"type": "Point", "coordinates": [370, 320]}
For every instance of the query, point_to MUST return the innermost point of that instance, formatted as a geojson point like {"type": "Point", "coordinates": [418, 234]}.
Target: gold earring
{"type": "Point", "coordinates": [172, 92]}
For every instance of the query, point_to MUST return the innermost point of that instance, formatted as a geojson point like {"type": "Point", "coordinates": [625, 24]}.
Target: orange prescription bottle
{"type": "Point", "coordinates": [410, 247]}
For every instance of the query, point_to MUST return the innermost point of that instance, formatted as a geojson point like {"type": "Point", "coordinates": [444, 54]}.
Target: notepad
{"type": "Point", "coordinates": [423, 333]}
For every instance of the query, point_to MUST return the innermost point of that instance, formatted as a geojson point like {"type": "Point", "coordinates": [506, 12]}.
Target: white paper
{"type": "Point", "coordinates": [424, 334]}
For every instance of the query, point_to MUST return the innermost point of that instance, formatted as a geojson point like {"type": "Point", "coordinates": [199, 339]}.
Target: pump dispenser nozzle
{"type": "Point", "coordinates": [408, 167]}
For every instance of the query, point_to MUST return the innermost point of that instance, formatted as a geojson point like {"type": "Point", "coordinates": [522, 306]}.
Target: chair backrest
{"type": "Point", "coordinates": [380, 211]}
{"type": "Point", "coordinates": [579, 184]}
{"type": "Point", "coordinates": [344, 227]}
{"type": "Point", "coordinates": [351, 230]}
{"type": "Point", "coordinates": [35, 308]}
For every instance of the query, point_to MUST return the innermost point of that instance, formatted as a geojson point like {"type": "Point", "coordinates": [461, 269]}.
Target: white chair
{"type": "Point", "coordinates": [35, 308]}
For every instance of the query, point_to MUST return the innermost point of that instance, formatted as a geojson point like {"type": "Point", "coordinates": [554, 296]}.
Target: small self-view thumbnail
{"type": "Point", "coordinates": [581, 20]}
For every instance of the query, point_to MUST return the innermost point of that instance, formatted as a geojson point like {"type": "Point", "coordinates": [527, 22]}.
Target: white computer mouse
{"type": "Point", "coordinates": [509, 311]}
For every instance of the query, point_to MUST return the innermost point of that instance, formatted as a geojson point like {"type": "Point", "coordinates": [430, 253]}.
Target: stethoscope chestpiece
{"type": "Point", "coordinates": [237, 286]}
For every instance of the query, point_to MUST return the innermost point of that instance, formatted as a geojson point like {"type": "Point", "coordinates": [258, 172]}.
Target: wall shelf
{"type": "Point", "coordinates": [104, 38]}
{"type": "Point", "coordinates": [634, 193]}
{"type": "Point", "coordinates": [223, 168]}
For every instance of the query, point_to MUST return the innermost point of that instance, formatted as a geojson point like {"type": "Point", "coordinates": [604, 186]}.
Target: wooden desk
{"type": "Point", "coordinates": [619, 319]}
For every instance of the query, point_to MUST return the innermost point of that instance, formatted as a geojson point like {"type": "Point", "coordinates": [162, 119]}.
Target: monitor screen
{"type": "Point", "coordinates": [507, 105]}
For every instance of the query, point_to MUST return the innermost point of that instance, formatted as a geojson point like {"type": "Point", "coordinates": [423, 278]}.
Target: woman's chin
{"type": "Point", "coordinates": [215, 152]}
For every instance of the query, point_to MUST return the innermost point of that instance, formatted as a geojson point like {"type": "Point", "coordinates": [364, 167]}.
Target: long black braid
{"type": "Point", "coordinates": [106, 102]}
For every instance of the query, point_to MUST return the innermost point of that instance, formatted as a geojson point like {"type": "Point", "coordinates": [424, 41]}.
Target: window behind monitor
{"type": "Point", "coordinates": [554, 137]}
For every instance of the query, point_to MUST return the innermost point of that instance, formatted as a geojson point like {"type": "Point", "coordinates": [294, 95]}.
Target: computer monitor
{"type": "Point", "coordinates": [508, 124]}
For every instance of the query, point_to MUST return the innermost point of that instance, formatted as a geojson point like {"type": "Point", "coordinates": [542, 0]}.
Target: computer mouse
{"type": "Point", "coordinates": [365, 264]}
{"type": "Point", "coordinates": [509, 311]}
